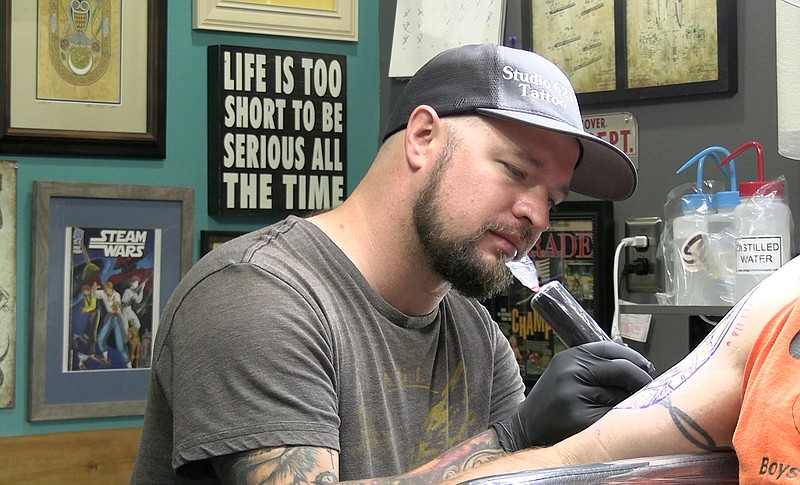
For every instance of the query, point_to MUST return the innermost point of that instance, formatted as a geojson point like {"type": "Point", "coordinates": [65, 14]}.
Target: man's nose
{"type": "Point", "coordinates": [535, 208]}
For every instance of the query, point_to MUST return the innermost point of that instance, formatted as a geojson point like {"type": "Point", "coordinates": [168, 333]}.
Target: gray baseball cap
{"type": "Point", "coordinates": [520, 86]}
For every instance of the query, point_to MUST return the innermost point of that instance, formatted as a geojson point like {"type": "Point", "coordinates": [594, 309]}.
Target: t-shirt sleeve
{"type": "Point", "coordinates": [253, 366]}
{"type": "Point", "coordinates": [508, 390]}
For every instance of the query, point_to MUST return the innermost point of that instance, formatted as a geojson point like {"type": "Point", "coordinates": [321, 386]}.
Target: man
{"type": "Point", "coordinates": [738, 389]}
{"type": "Point", "coordinates": [133, 295]}
{"type": "Point", "coordinates": [350, 345]}
{"type": "Point", "coordinates": [112, 322]}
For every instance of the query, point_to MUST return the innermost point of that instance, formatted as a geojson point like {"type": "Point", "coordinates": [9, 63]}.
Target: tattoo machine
{"type": "Point", "coordinates": [568, 319]}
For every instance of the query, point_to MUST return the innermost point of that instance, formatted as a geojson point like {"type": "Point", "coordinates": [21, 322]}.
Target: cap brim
{"type": "Point", "coordinates": [605, 172]}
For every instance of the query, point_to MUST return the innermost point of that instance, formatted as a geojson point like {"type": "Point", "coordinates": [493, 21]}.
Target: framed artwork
{"type": "Point", "coordinates": [317, 19]}
{"type": "Point", "coordinates": [84, 78]}
{"type": "Point", "coordinates": [623, 51]}
{"type": "Point", "coordinates": [105, 260]}
{"type": "Point", "coordinates": [577, 250]}
{"type": "Point", "coordinates": [8, 282]}
{"type": "Point", "coordinates": [211, 239]}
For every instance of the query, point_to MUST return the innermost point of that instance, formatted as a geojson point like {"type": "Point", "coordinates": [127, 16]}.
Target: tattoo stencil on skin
{"type": "Point", "coordinates": [663, 385]}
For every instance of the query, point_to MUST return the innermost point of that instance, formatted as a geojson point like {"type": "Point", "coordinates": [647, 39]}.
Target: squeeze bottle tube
{"type": "Point", "coordinates": [568, 319]}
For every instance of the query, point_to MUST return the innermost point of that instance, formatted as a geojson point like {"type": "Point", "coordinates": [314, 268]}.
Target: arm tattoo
{"type": "Point", "coordinates": [470, 454]}
{"type": "Point", "coordinates": [666, 383]}
{"type": "Point", "coordinates": [294, 465]}
{"type": "Point", "coordinates": [690, 429]}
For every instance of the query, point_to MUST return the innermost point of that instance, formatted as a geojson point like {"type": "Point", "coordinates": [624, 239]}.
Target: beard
{"type": "Point", "coordinates": [457, 259]}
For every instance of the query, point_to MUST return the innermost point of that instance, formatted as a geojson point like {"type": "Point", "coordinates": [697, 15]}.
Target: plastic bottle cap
{"type": "Point", "coordinates": [694, 202]}
{"type": "Point", "coordinates": [728, 198]}
{"type": "Point", "coordinates": [749, 189]}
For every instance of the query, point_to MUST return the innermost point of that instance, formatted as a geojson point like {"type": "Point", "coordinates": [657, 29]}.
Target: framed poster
{"type": "Point", "coordinates": [317, 19]}
{"type": "Point", "coordinates": [277, 138]}
{"type": "Point", "coordinates": [623, 51]}
{"type": "Point", "coordinates": [211, 239]}
{"type": "Point", "coordinates": [84, 78]}
{"type": "Point", "coordinates": [577, 250]}
{"type": "Point", "coordinates": [8, 282]}
{"type": "Point", "coordinates": [106, 259]}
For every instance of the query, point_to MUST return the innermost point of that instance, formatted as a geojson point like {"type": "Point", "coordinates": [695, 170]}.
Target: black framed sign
{"type": "Point", "coordinates": [623, 51]}
{"type": "Point", "coordinates": [277, 142]}
{"type": "Point", "coordinates": [576, 250]}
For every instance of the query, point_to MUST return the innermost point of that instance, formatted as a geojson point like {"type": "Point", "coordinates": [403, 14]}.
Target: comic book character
{"type": "Point", "coordinates": [112, 322]}
{"type": "Point", "coordinates": [136, 304]}
{"type": "Point", "coordinates": [133, 295]}
{"type": "Point", "coordinates": [92, 320]}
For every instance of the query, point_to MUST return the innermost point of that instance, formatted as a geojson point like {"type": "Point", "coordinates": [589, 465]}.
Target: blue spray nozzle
{"type": "Point", "coordinates": [729, 169]}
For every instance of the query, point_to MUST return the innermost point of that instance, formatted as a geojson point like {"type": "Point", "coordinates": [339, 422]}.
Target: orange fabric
{"type": "Point", "coordinates": [767, 437]}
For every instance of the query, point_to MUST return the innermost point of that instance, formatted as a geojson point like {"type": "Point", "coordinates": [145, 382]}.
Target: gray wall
{"type": "Point", "coordinates": [672, 132]}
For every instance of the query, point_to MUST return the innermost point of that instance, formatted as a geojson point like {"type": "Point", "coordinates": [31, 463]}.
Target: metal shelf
{"type": "Point", "coordinates": [656, 309]}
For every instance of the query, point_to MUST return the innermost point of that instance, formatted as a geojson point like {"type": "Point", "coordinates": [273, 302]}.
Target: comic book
{"type": "Point", "coordinates": [572, 251]}
{"type": "Point", "coordinates": [112, 294]}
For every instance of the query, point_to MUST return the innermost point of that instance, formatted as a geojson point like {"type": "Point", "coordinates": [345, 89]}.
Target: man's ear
{"type": "Point", "coordinates": [423, 129]}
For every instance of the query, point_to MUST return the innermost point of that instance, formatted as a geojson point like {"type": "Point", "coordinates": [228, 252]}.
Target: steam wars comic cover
{"type": "Point", "coordinates": [113, 290]}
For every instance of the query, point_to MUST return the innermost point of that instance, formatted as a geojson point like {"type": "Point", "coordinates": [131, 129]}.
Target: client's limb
{"type": "Point", "coordinates": [694, 406]}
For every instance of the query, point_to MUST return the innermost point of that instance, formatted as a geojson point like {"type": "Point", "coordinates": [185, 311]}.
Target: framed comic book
{"type": "Point", "coordinates": [577, 249]}
{"type": "Point", "coordinates": [106, 259]}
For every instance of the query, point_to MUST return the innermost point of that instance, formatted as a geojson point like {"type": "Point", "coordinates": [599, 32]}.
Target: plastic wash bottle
{"type": "Point", "coordinates": [763, 227]}
{"type": "Point", "coordinates": [690, 244]}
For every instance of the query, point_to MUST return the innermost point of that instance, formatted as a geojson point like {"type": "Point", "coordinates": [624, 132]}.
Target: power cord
{"type": "Point", "coordinates": [642, 242]}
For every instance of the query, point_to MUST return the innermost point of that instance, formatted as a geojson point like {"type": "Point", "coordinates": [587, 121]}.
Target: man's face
{"type": "Point", "coordinates": [488, 198]}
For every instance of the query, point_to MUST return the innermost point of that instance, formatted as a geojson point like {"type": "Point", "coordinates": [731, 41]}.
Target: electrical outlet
{"type": "Point", "coordinates": [645, 270]}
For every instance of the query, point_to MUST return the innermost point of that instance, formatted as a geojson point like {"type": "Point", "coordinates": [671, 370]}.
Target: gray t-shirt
{"type": "Point", "coordinates": [276, 339]}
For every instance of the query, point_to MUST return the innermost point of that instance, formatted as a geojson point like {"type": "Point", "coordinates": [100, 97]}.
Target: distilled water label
{"type": "Point", "coordinates": [758, 254]}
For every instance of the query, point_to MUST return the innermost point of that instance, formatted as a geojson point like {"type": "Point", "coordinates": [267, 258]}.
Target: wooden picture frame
{"type": "Point", "coordinates": [56, 101]}
{"type": "Point", "coordinates": [642, 57]}
{"type": "Point", "coordinates": [578, 251]}
{"type": "Point", "coordinates": [324, 19]}
{"type": "Point", "coordinates": [211, 239]}
{"type": "Point", "coordinates": [89, 239]}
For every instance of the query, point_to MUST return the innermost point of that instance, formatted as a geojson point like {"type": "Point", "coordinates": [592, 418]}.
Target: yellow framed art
{"type": "Point", "coordinates": [317, 19]}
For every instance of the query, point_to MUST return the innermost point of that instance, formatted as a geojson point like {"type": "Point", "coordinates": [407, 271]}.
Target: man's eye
{"type": "Point", "coordinates": [514, 171]}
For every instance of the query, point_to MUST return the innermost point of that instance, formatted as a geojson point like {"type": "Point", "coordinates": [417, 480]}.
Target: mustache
{"type": "Point", "coordinates": [527, 235]}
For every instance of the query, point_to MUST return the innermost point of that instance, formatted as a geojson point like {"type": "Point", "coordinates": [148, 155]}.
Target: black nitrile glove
{"type": "Point", "coordinates": [578, 387]}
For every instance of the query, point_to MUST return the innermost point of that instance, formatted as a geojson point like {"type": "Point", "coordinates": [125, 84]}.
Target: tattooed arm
{"type": "Point", "coordinates": [692, 407]}
{"type": "Point", "coordinates": [303, 464]}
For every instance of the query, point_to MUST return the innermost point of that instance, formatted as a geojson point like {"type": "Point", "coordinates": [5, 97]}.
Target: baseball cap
{"type": "Point", "coordinates": [520, 86]}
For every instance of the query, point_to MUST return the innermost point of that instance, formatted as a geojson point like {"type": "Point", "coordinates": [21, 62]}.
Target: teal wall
{"type": "Point", "coordinates": [186, 160]}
